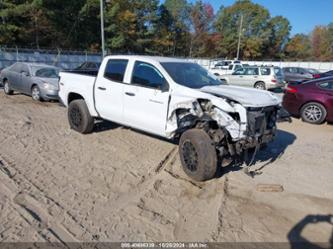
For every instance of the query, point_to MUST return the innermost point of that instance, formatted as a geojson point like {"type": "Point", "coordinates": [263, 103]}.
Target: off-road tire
{"type": "Point", "coordinates": [198, 155]}
{"type": "Point", "coordinates": [260, 85]}
{"type": "Point", "coordinates": [6, 88]}
{"type": "Point", "coordinates": [317, 107]}
{"type": "Point", "coordinates": [79, 117]}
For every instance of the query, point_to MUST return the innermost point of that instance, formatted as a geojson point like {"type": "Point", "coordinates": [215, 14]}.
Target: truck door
{"type": "Point", "coordinates": [146, 99]}
{"type": "Point", "coordinates": [109, 90]}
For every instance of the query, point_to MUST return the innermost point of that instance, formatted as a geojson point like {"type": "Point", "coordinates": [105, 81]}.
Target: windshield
{"type": "Point", "coordinates": [190, 74]}
{"type": "Point", "coordinates": [46, 72]}
{"type": "Point", "coordinates": [313, 71]}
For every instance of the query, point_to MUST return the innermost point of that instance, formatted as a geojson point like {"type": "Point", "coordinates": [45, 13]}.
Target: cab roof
{"type": "Point", "coordinates": [159, 59]}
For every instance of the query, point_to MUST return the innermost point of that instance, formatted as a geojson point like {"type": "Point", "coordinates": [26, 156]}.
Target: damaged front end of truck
{"type": "Point", "coordinates": [233, 127]}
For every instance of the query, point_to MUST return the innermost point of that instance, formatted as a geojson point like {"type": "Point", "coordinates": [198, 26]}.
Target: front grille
{"type": "Point", "coordinates": [261, 120]}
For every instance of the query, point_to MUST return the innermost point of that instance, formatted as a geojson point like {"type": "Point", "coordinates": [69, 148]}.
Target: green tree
{"type": "Point", "coordinates": [163, 32]}
{"type": "Point", "coordinates": [23, 23]}
{"type": "Point", "coordinates": [202, 16]}
{"type": "Point", "coordinates": [278, 38]}
{"type": "Point", "coordinates": [255, 32]}
{"type": "Point", "coordinates": [298, 48]}
{"type": "Point", "coordinates": [130, 25]}
{"type": "Point", "coordinates": [321, 39]}
{"type": "Point", "coordinates": [180, 12]}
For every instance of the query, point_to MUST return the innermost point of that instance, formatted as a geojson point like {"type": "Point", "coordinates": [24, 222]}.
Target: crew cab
{"type": "Point", "coordinates": [174, 99]}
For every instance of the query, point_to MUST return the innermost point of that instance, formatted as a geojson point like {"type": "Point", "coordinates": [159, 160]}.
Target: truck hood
{"type": "Point", "coordinates": [248, 97]}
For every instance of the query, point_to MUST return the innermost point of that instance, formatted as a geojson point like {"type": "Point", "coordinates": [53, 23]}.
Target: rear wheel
{"type": "Point", "coordinates": [198, 155]}
{"type": "Point", "coordinates": [79, 117]}
{"type": "Point", "coordinates": [6, 88]}
{"type": "Point", "coordinates": [313, 113]}
{"type": "Point", "coordinates": [260, 85]}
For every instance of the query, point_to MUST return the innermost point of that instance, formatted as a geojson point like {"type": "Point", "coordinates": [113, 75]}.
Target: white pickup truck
{"type": "Point", "coordinates": [177, 100]}
{"type": "Point", "coordinates": [220, 71]}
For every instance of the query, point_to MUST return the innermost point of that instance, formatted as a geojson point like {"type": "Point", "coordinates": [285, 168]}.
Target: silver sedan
{"type": "Point", "coordinates": [37, 80]}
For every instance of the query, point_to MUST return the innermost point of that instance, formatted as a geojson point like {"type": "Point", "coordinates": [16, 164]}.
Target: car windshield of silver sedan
{"type": "Point", "coordinates": [46, 72]}
{"type": "Point", "coordinates": [190, 75]}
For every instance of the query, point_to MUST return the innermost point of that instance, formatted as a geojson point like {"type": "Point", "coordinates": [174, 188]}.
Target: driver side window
{"type": "Point", "coordinates": [25, 69]}
{"type": "Point", "coordinates": [147, 75]}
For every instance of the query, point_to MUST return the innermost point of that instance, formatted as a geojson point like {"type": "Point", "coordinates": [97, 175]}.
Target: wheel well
{"type": "Point", "coordinates": [74, 96]}
{"type": "Point", "coordinates": [33, 86]}
{"type": "Point", "coordinates": [4, 80]}
{"type": "Point", "coordinates": [259, 82]}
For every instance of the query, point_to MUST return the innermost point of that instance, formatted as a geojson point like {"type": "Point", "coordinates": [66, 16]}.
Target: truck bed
{"type": "Point", "coordinates": [83, 72]}
{"type": "Point", "coordinates": [78, 82]}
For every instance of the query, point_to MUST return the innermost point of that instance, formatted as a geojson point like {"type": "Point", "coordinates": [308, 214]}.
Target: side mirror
{"type": "Point", "coordinates": [25, 74]}
{"type": "Point", "coordinates": [164, 87]}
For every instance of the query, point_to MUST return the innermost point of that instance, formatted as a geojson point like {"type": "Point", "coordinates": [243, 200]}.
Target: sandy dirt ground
{"type": "Point", "coordinates": [121, 185]}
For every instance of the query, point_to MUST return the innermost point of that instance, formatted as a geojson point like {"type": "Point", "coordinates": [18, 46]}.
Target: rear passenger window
{"type": "Point", "coordinates": [252, 71]}
{"type": "Point", "coordinates": [115, 70]}
{"type": "Point", "coordinates": [265, 71]}
{"type": "Point", "coordinates": [25, 69]}
{"type": "Point", "coordinates": [16, 68]}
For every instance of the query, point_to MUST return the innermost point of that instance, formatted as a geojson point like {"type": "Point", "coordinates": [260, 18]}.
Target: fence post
{"type": "Point", "coordinates": [17, 54]}
{"type": "Point", "coordinates": [57, 57]}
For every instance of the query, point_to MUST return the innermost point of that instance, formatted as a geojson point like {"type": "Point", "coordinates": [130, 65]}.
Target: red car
{"type": "Point", "coordinates": [311, 100]}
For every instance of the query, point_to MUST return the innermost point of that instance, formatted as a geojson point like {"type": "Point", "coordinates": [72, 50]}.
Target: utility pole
{"type": "Point", "coordinates": [102, 28]}
{"type": "Point", "coordinates": [240, 35]}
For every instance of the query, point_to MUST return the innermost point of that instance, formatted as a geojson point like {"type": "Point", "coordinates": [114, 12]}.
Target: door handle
{"type": "Point", "coordinates": [102, 88]}
{"type": "Point", "coordinates": [156, 101]}
{"type": "Point", "coordinates": [130, 94]}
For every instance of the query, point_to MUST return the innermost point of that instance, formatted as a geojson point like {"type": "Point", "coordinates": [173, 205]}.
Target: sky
{"type": "Point", "coordinates": [303, 15]}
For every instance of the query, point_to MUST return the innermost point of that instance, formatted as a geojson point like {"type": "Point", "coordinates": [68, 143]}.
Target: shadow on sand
{"type": "Point", "coordinates": [296, 239]}
{"type": "Point", "coordinates": [268, 155]}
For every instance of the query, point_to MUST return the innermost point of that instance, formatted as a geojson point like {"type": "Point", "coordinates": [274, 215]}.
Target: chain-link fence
{"type": "Point", "coordinates": [72, 59]}
{"type": "Point", "coordinates": [321, 66]}
{"type": "Point", "coordinates": [59, 58]}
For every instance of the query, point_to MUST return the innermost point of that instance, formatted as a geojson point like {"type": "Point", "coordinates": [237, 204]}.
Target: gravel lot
{"type": "Point", "coordinates": [121, 185]}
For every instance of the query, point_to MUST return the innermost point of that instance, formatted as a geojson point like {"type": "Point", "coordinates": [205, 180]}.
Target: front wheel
{"type": "Point", "coordinates": [313, 113]}
{"type": "Point", "coordinates": [35, 93]}
{"type": "Point", "coordinates": [6, 88]}
{"type": "Point", "coordinates": [198, 155]}
{"type": "Point", "coordinates": [79, 117]}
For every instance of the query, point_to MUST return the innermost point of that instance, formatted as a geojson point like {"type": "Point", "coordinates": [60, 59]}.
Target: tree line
{"type": "Point", "coordinates": [168, 28]}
